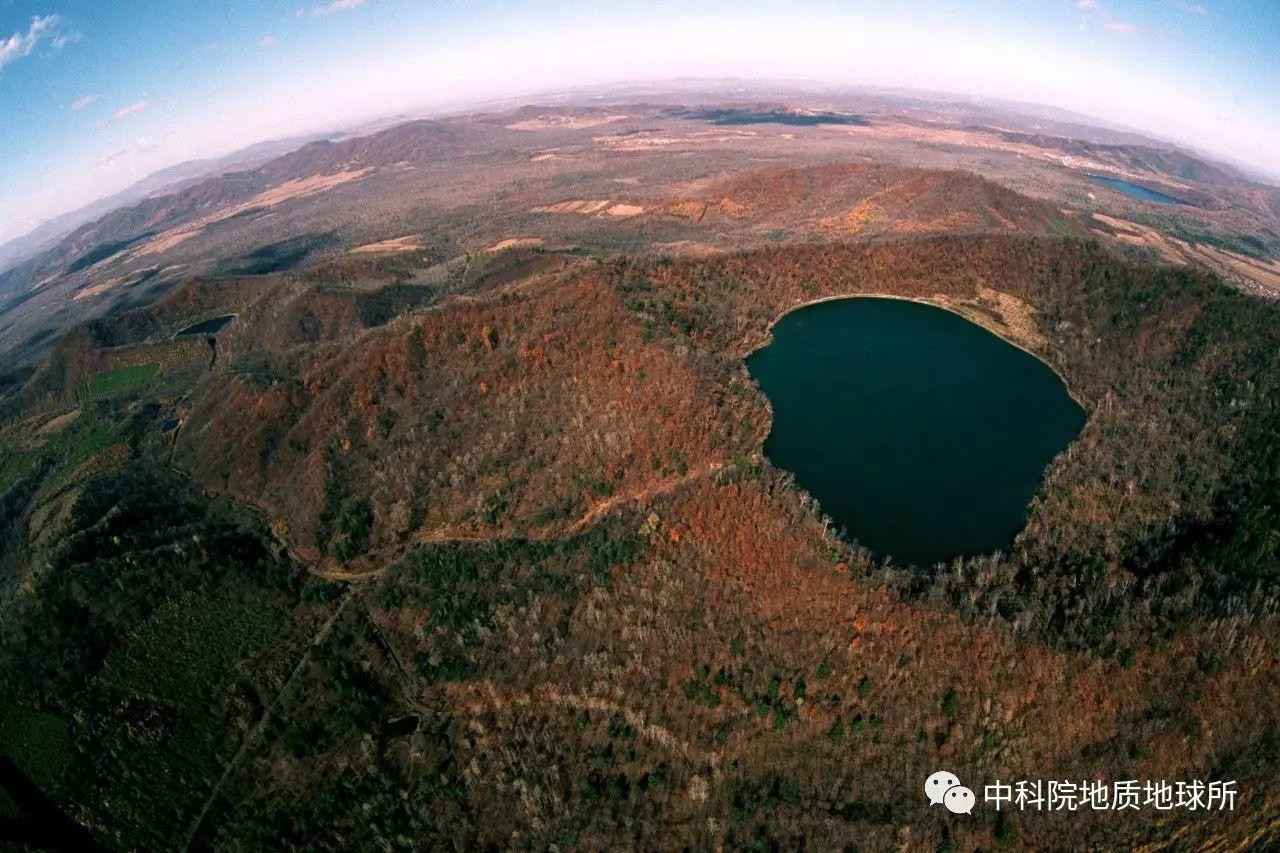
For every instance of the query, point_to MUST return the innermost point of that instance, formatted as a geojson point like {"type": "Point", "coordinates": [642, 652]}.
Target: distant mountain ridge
{"type": "Point", "coordinates": [680, 171]}
{"type": "Point", "coordinates": [169, 179]}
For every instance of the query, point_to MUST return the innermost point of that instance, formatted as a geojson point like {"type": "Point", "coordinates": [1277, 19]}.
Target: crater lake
{"type": "Point", "coordinates": [921, 433]}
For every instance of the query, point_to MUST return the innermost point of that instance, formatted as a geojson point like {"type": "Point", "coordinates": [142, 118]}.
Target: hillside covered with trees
{"type": "Point", "coordinates": [488, 555]}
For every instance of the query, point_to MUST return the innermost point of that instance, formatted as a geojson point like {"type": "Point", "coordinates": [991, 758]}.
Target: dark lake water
{"type": "Point", "coordinates": [206, 327]}
{"type": "Point", "coordinates": [921, 433]}
{"type": "Point", "coordinates": [1134, 190]}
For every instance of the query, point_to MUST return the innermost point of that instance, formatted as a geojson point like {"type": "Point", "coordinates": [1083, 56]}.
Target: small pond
{"type": "Point", "coordinates": [206, 327]}
{"type": "Point", "coordinates": [1134, 190]}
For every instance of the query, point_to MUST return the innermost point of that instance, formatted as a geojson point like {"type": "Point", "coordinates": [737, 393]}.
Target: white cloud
{"type": "Point", "coordinates": [336, 6]}
{"type": "Point", "coordinates": [61, 40]}
{"type": "Point", "coordinates": [267, 41]}
{"type": "Point", "coordinates": [22, 44]}
{"type": "Point", "coordinates": [132, 110]}
{"type": "Point", "coordinates": [1098, 13]}
{"type": "Point", "coordinates": [82, 102]}
{"type": "Point", "coordinates": [107, 159]}
{"type": "Point", "coordinates": [142, 146]}
{"type": "Point", "coordinates": [126, 112]}
{"type": "Point", "coordinates": [1192, 8]}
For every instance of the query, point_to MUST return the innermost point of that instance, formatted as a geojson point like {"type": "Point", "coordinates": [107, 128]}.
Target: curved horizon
{"type": "Point", "coordinates": [99, 98]}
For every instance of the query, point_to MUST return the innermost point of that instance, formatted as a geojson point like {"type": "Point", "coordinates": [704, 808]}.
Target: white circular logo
{"type": "Point", "coordinates": [937, 785]}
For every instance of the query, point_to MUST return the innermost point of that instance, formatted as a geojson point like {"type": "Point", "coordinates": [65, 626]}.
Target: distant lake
{"type": "Point", "coordinates": [1134, 190]}
{"type": "Point", "coordinates": [921, 433]}
{"type": "Point", "coordinates": [730, 117]}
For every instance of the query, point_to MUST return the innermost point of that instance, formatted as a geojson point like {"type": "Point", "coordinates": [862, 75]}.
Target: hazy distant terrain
{"type": "Point", "coordinates": [49, 233]}
{"type": "Point", "coordinates": [454, 530]}
{"type": "Point", "coordinates": [637, 170]}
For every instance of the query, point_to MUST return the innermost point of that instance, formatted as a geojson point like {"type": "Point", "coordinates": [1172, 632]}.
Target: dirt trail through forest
{"type": "Point", "coordinates": [388, 555]}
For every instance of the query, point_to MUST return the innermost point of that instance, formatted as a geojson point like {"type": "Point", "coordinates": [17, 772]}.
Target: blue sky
{"type": "Point", "coordinates": [95, 95]}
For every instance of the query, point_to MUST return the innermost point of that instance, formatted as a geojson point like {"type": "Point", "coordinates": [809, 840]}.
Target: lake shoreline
{"type": "Point", "coordinates": [768, 337]}
{"type": "Point", "coordinates": [890, 417]}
